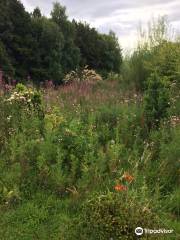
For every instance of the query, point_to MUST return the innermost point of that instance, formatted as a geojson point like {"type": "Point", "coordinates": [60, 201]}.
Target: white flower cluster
{"type": "Point", "coordinates": [87, 75]}
{"type": "Point", "coordinates": [21, 97]}
{"type": "Point", "coordinates": [175, 120]}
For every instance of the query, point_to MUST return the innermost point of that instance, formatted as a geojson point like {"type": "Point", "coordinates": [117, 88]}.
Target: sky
{"type": "Point", "coordinates": [122, 16]}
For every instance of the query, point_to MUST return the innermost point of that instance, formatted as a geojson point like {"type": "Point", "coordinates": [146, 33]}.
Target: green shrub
{"type": "Point", "coordinates": [156, 100]}
{"type": "Point", "coordinates": [42, 217]}
{"type": "Point", "coordinates": [114, 215]}
{"type": "Point", "coordinates": [22, 130]}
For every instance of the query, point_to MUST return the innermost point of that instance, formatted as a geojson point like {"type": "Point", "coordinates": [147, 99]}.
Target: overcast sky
{"type": "Point", "coordinates": [122, 16]}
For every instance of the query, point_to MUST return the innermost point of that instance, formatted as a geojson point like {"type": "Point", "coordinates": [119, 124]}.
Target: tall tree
{"type": "Point", "coordinates": [15, 27]}
{"type": "Point", "coordinates": [70, 52]}
{"type": "Point", "coordinates": [100, 51]}
{"type": "Point", "coordinates": [37, 13]}
{"type": "Point", "coordinates": [110, 53]}
{"type": "Point", "coordinates": [48, 43]}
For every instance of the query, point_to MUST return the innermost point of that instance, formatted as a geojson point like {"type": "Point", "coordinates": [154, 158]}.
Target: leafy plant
{"type": "Point", "coordinates": [156, 100]}
{"type": "Point", "coordinates": [115, 215]}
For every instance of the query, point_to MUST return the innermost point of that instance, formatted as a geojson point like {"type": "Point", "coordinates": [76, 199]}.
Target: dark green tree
{"type": "Point", "coordinates": [70, 52]}
{"type": "Point", "coordinates": [156, 100]}
{"type": "Point", "coordinates": [88, 41]}
{"type": "Point", "coordinates": [111, 57]}
{"type": "Point", "coordinates": [5, 63]}
{"type": "Point", "coordinates": [58, 14]}
{"type": "Point", "coordinates": [15, 25]}
{"type": "Point", "coordinates": [37, 13]}
{"type": "Point", "coordinates": [48, 48]}
{"type": "Point", "coordinates": [99, 51]}
{"type": "Point", "coordinates": [48, 43]}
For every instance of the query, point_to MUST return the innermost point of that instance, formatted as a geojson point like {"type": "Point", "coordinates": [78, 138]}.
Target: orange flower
{"type": "Point", "coordinates": [128, 177]}
{"type": "Point", "coordinates": [120, 187]}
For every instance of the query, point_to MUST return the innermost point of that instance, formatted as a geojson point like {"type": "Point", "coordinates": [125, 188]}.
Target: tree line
{"type": "Point", "coordinates": [41, 48]}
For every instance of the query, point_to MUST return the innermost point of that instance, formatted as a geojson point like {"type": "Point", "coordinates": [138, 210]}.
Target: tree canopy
{"type": "Point", "coordinates": [47, 48]}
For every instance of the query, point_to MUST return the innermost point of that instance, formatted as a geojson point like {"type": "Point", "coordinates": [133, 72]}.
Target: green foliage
{"type": "Point", "coordinates": [39, 48]}
{"type": "Point", "coordinates": [70, 52]}
{"type": "Point", "coordinates": [99, 52]}
{"type": "Point", "coordinates": [28, 100]}
{"type": "Point", "coordinates": [22, 113]}
{"type": "Point", "coordinates": [115, 215]}
{"type": "Point", "coordinates": [87, 160]}
{"type": "Point", "coordinates": [59, 13]}
{"type": "Point", "coordinates": [156, 51]}
{"type": "Point", "coordinates": [37, 13]}
{"type": "Point", "coordinates": [48, 42]}
{"type": "Point", "coordinates": [165, 59]}
{"type": "Point", "coordinates": [4, 61]}
{"type": "Point", "coordinates": [39, 213]}
{"type": "Point", "coordinates": [54, 163]}
{"type": "Point", "coordinates": [138, 71]}
{"type": "Point", "coordinates": [156, 100]}
{"type": "Point", "coordinates": [168, 153]}
{"type": "Point", "coordinates": [15, 37]}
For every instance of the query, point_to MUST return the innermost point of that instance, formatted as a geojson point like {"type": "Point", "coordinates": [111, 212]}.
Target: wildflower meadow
{"type": "Point", "coordinates": [90, 140]}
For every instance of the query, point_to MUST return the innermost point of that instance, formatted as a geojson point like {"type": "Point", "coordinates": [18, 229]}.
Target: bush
{"type": "Point", "coordinates": [114, 215]}
{"type": "Point", "coordinates": [85, 75]}
{"type": "Point", "coordinates": [22, 129]}
{"type": "Point", "coordinates": [156, 100]}
{"type": "Point", "coordinates": [29, 99]}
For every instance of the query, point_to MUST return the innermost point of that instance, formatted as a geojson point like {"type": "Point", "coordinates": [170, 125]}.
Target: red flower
{"type": "Point", "coordinates": [120, 187]}
{"type": "Point", "coordinates": [128, 177]}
